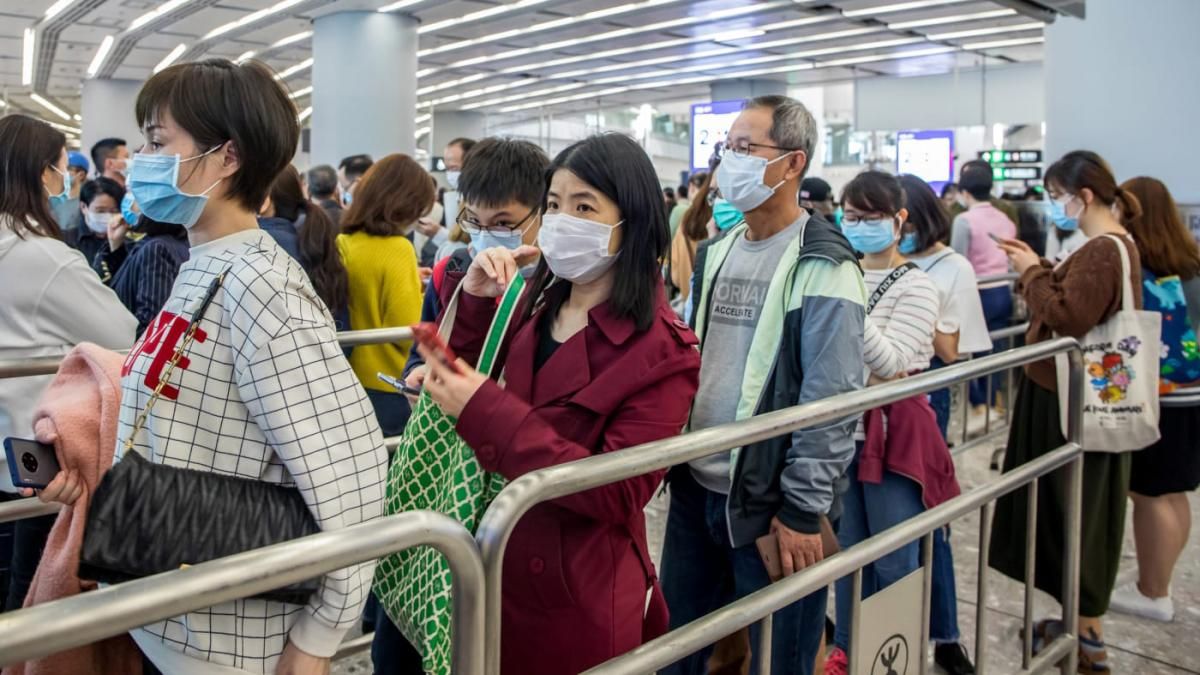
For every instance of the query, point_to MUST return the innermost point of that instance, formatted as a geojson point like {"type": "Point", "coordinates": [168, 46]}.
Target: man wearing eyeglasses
{"type": "Point", "coordinates": [779, 308]}
{"type": "Point", "coordinates": [501, 187]}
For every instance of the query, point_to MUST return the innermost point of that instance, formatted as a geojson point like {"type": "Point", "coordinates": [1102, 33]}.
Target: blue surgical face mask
{"type": "Point", "coordinates": [62, 197]}
{"type": "Point", "coordinates": [871, 236]}
{"type": "Point", "coordinates": [1058, 215]}
{"type": "Point", "coordinates": [726, 214]}
{"type": "Point", "coordinates": [127, 209]}
{"type": "Point", "coordinates": [154, 182]}
{"type": "Point", "coordinates": [908, 243]}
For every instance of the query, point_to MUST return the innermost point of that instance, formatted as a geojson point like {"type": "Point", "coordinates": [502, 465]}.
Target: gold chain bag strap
{"type": "Point", "coordinates": [146, 518]}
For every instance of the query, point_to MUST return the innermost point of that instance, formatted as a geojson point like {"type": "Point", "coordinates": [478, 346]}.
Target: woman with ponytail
{"type": "Point", "coordinates": [316, 242]}
{"type": "Point", "coordinates": [1069, 299]}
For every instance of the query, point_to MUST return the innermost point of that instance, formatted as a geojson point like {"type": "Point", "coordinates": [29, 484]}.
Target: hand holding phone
{"type": "Point", "coordinates": [432, 344]}
{"type": "Point", "coordinates": [399, 386]}
{"type": "Point", "coordinates": [31, 464]}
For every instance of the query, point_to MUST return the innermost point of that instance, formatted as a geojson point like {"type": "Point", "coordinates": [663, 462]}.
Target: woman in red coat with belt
{"type": "Point", "coordinates": [596, 362]}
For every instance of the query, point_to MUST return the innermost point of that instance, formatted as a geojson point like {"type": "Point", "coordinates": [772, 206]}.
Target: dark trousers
{"type": "Point", "coordinates": [28, 542]}
{"type": "Point", "coordinates": [391, 652]}
{"type": "Point", "coordinates": [997, 310]}
{"type": "Point", "coordinates": [701, 572]}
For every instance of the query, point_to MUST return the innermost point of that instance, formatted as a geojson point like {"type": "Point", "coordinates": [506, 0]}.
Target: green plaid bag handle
{"type": "Point", "coordinates": [434, 469]}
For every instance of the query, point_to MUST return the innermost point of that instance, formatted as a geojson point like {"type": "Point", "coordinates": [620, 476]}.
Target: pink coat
{"type": "Point", "coordinates": [79, 412]}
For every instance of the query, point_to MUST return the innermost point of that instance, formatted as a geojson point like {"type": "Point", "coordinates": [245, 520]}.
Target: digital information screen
{"type": "Point", "coordinates": [710, 125]}
{"type": "Point", "coordinates": [928, 155]}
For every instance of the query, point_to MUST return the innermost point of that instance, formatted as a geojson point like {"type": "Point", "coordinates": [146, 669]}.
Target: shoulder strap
{"type": "Point", "coordinates": [505, 310]}
{"type": "Point", "coordinates": [1126, 282]}
{"type": "Point", "coordinates": [888, 283]}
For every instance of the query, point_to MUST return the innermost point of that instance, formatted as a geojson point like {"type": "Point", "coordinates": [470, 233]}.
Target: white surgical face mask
{"type": "Point", "coordinates": [741, 180]}
{"type": "Point", "coordinates": [576, 249]}
{"type": "Point", "coordinates": [452, 178]}
{"type": "Point", "coordinates": [98, 222]}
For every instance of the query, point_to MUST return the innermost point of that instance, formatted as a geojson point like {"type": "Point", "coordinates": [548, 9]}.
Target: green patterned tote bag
{"type": "Point", "coordinates": [433, 469]}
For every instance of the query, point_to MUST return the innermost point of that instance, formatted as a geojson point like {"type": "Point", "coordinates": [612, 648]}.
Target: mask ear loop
{"type": "Point", "coordinates": [205, 154]}
{"type": "Point", "coordinates": [770, 162]}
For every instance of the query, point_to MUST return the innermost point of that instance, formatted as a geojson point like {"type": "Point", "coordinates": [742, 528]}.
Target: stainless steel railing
{"type": "Point", "coordinates": [48, 365]}
{"type": "Point", "coordinates": [524, 493]}
{"type": "Point", "coordinates": [29, 508]}
{"type": "Point", "coordinates": [85, 618]}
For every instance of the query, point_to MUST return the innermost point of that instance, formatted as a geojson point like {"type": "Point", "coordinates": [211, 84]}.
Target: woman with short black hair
{"type": "Point", "coordinates": [596, 362]}
{"type": "Point", "coordinates": [260, 390]}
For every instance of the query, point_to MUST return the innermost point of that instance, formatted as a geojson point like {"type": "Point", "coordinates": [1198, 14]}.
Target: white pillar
{"type": "Point", "coordinates": [1120, 83]}
{"type": "Point", "coordinates": [453, 124]}
{"type": "Point", "coordinates": [364, 85]}
{"type": "Point", "coordinates": [107, 111]}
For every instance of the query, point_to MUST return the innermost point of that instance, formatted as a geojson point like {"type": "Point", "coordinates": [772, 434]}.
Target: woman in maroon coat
{"type": "Point", "coordinates": [596, 362]}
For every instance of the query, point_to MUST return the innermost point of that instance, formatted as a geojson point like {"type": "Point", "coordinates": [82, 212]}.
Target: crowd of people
{"type": "Point", "coordinates": [645, 313]}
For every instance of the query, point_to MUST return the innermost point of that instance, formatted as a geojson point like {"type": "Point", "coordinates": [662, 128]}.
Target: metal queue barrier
{"type": "Point", "coordinates": [524, 493]}
{"type": "Point", "coordinates": [85, 618]}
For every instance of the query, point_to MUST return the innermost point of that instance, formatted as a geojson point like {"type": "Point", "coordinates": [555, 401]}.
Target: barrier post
{"type": "Point", "coordinates": [1074, 515]}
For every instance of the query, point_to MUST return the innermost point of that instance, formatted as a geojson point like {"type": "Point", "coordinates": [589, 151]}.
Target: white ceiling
{"type": "Point", "coordinates": [513, 55]}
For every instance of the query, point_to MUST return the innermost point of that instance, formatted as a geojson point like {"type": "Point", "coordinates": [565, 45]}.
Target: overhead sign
{"type": "Point", "coordinates": [927, 154]}
{"type": "Point", "coordinates": [710, 126]}
{"type": "Point", "coordinates": [1016, 172]}
{"type": "Point", "coordinates": [1011, 156]}
{"type": "Point", "coordinates": [889, 630]}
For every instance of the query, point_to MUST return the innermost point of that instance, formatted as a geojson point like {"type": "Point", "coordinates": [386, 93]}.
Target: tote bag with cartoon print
{"type": "Point", "coordinates": [1120, 392]}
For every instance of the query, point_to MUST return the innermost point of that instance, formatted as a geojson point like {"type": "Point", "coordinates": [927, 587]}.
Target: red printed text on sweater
{"type": "Point", "coordinates": [159, 341]}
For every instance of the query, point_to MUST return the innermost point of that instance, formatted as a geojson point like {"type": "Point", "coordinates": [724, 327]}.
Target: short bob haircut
{"type": "Point", "coordinates": [27, 148]}
{"type": "Point", "coordinates": [101, 186]}
{"type": "Point", "coordinates": [217, 100]}
{"type": "Point", "coordinates": [874, 192]}
{"type": "Point", "coordinates": [391, 196]}
{"type": "Point", "coordinates": [930, 221]}
{"type": "Point", "coordinates": [616, 166]}
{"type": "Point", "coordinates": [499, 170]}
{"type": "Point", "coordinates": [976, 179]}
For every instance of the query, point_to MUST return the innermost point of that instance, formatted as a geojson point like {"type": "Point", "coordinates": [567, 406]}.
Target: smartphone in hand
{"type": "Point", "coordinates": [32, 464]}
{"type": "Point", "coordinates": [398, 385]}
{"type": "Point", "coordinates": [427, 335]}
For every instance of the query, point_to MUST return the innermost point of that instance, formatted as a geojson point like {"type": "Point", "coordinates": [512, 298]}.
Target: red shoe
{"type": "Point", "coordinates": [836, 663]}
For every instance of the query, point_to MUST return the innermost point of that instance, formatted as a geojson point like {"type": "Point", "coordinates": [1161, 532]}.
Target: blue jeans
{"type": "Point", "coordinates": [867, 510]}
{"type": "Point", "coordinates": [702, 572]}
{"type": "Point", "coordinates": [391, 652]}
{"type": "Point", "coordinates": [997, 311]}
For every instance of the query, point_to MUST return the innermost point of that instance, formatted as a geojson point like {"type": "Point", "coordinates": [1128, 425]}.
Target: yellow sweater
{"type": "Point", "coordinates": [385, 292]}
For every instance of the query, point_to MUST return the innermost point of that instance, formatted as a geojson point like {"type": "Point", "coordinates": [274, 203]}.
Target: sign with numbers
{"type": "Point", "coordinates": [889, 630]}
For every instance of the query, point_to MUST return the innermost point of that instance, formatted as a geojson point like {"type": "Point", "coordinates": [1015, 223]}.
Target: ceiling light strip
{"type": "Point", "coordinates": [979, 32]}
{"type": "Point", "coordinates": [473, 17]}
{"type": "Point", "coordinates": [101, 53]}
{"type": "Point", "coordinates": [37, 98]}
{"type": "Point", "coordinates": [996, 44]}
{"type": "Point", "coordinates": [298, 68]}
{"type": "Point", "coordinates": [920, 53]}
{"type": "Point", "coordinates": [624, 32]}
{"type": "Point", "coordinates": [537, 27]}
{"type": "Point", "coordinates": [898, 7]}
{"type": "Point", "coordinates": [165, 8]}
{"type": "Point", "coordinates": [171, 58]}
{"type": "Point", "coordinates": [957, 18]}
{"type": "Point", "coordinates": [251, 18]}
{"type": "Point", "coordinates": [56, 9]}
{"type": "Point", "coordinates": [29, 39]}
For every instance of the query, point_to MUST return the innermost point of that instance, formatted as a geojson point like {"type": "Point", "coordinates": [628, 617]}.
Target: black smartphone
{"type": "Point", "coordinates": [397, 384]}
{"type": "Point", "coordinates": [32, 464]}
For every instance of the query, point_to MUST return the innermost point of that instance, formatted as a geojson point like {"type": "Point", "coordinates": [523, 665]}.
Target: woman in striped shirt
{"type": "Point", "coordinates": [902, 465]}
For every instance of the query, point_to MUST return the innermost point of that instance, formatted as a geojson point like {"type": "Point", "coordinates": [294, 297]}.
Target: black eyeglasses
{"type": "Point", "coordinates": [745, 150]}
{"type": "Point", "coordinates": [471, 224]}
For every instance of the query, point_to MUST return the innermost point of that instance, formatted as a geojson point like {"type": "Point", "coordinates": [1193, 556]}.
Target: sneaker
{"type": "Point", "coordinates": [837, 663]}
{"type": "Point", "coordinates": [952, 658]}
{"type": "Point", "coordinates": [1128, 599]}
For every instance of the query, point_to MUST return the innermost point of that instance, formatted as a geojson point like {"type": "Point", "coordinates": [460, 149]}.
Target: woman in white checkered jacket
{"type": "Point", "coordinates": [264, 391]}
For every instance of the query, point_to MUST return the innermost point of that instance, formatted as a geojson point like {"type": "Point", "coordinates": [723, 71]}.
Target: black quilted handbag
{"type": "Point", "coordinates": [147, 518]}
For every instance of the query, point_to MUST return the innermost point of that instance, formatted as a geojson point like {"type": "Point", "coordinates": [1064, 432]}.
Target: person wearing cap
{"type": "Point", "coordinates": [67, 213]}
{"type": "Point", "coordinates": [817, 196]}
